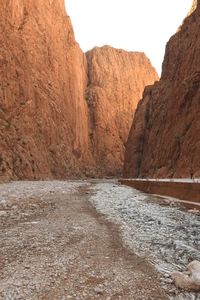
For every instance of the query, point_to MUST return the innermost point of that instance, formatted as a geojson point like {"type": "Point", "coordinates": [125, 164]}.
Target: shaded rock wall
{"type": "Point", "coordinates": [177, 190]}
{"type": "Point", "coordinates": [116, 80]}
{"type": "Point", "coordinates": [164, 138]}
{"type": "Point", "coordinates": [43, 113]}
{"type": "Point", "coordinates": [61, 115]}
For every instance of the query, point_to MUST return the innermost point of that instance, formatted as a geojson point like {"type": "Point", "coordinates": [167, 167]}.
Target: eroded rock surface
{"type": "Point", "coordinates": [164, 138]}
{"type": "Point", "coordinates": [115, 85]}
{"type": "Point", "coordinates": [43, 113]}
{"type": "Point", "coordinates": [55, 121]}
{"type": "Point", "coordinates": [190, 279]}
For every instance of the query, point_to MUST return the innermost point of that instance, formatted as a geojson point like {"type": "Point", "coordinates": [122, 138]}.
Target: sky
{"type": "Point", "coordinates": [132, 25]}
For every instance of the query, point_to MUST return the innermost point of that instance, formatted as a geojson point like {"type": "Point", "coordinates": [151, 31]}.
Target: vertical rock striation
{"type": "Point", "coordinates": [116, 80]}
{"type": "Point", "coordinates": [62, 115]}
{"type": "Point", "coordinates": [43, 113]}
{"type": "Point", "coordinates": [164, 138]}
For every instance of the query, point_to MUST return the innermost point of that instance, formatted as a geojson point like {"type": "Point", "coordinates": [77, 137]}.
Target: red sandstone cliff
{"type": "Point", "coordinates": [43, 113]}
{"type": "Point", "coordinates": [61, 115]}
{"type": "Point", "coordinates": [164, 138]}
{"type": "Point", "coordinates": [116, 80]}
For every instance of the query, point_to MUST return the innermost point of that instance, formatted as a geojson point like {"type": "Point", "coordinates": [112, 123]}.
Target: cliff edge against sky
{"type": "Point", "coordinates": [43, 113]}
{"type": "Point", "coordinates": [164, 138]}
{"type": "Point", "coordinates": [62, 113]}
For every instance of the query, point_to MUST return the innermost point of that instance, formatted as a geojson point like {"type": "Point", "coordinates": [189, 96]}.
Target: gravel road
{"type": "Point", "coordinates": [53, 245]}
{"type": "Point", "coordinates": [91, 240]}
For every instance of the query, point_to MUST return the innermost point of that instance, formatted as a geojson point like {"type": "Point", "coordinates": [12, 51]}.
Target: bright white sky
{"type": "Point", "coordinates": [133, 25]}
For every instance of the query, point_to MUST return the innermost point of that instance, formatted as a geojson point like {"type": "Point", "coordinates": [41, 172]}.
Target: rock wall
{"type": "Point", "coordinates": [116, 80]}
{"type": "Point", "coordinates": [164, 138]}
{"type": "Point", "coordinates": [62, 115]}
{"type": "Point", "coordinates": [43, 112]}
{"type": "Point", "coordinates": [188, 191]}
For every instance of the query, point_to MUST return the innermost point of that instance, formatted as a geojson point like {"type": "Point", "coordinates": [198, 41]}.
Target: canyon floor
{"type": "Point", "coordinates": [92, 240]}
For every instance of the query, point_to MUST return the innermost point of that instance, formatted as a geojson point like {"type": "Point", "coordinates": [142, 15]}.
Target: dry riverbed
{"type": "Point", "coordinates": [91, 240]}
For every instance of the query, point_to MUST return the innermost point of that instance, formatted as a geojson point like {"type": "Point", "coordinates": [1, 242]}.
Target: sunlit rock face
{"type": "Point", "coordinates": [62, 115]}
{"type": "Point", "coordinates": [116, 80]}
{"type": "Point", "coordinates": [43, 112]}
{"type": "Point", "coordinates": [194, 6]}
{"type": "Point", "coordinates": [164, 138]}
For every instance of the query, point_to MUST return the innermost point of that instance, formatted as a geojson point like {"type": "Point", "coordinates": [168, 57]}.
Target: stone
{"type": "Point", "coordinates": [164, 137]}
{"type": "Point", "coordinates": [189, 280]}
{"type": "Point", "coordinates": [99, 290]}
{"type": "Point", "coordinates": [3, 213]}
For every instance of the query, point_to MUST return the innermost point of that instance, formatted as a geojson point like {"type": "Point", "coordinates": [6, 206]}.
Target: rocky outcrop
{"type": "Point", "coordinates": [164, 138]}
{"type": "Point", "coordinates": [43, 112]}
{"type": "Point", "coordinates": [61, 115]}
{"type": "Point", "coordinates": [116, 80]}
{"type": "Point", "coordinates": [190, 279]}
{"type": "Point", "coordinates": [193, 7]}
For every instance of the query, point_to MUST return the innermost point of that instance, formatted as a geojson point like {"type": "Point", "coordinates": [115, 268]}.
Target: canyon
{"type": "Point", "coordinates": [164, 137]}
{"type": "Point", "coordinates": [63, 113]}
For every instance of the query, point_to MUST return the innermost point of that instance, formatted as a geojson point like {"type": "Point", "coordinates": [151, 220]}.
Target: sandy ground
{"type": "Point", "coordinates": [54, 245]}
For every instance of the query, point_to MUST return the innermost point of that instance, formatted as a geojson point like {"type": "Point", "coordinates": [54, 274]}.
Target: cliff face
{"type": "Point", "coordinates": [43, 113]}
{"type": "Point", "coordinates": [164, 138]}
{"type": "Point", "coordinates": [60, 114]}
{"type": "Point", "coordinates": [116, 80]}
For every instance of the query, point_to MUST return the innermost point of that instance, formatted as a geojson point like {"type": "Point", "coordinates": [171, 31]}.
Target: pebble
{"type": "Point", "coordinates": [165, 235]}
{"type": "Point", "coordinates": [3, 213]}
{"type": "Point", "coordinates": [99, 290]}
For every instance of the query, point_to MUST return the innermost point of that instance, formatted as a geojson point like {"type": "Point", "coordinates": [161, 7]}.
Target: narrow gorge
{"type": "Point", "coordinates": [62, 113]}
{"type": "Point", "coordinates": [72, 125]}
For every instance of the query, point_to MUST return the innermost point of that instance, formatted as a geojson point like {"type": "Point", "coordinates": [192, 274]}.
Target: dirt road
{"type": "Point", "coordinates": [54, 245]}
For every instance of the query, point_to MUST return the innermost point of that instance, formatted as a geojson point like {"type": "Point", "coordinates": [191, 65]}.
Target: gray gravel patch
{"type": "Point", "coordinates": [26, 189]}
{"type": "Point", "coordinates": [167, 236]}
